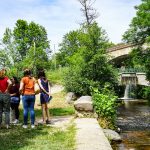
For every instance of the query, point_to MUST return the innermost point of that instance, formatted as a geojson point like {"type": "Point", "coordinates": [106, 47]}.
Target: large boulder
{"type": "Point", "coordinates": [84, 103]}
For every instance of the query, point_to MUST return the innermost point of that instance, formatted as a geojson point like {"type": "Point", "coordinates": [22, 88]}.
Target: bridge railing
{"type": "Point", "coordinates": [131, 70]}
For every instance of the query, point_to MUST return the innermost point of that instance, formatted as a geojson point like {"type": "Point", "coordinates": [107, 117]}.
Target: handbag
{"type": "Point", "coordinates": [50, 98]}
{"type": "Point", "coordinates": [37, 88]}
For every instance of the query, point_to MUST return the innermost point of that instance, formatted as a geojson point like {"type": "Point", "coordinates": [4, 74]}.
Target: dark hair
{"type": "Point", "coordinates": [27, 72]}
{"type": "Point", "coordinates": [41, 74]}
{"type": "Point", "coordinates": [15, 79]}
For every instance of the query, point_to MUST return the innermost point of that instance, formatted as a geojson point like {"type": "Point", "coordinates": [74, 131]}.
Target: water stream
{"type": "Point", "coordinates": [134, 122]}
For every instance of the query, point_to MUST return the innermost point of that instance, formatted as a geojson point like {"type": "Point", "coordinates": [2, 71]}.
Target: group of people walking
{"type": "Point", "coordinates": [11, 91]}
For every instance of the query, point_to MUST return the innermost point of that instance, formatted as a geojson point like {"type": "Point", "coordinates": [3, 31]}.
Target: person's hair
{"type": "Point", "coordinates": [27, 72]}
{"type": "Point", "coordinates": [41, 74]}
{"type": "Point", "coordinates": [2, 73]}
{"type": "Point", "coordinates": [15, 79]}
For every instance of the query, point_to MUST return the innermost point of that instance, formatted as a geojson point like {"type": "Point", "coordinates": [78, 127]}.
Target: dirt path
{"type": "Point", "coordinates": [56, 88]}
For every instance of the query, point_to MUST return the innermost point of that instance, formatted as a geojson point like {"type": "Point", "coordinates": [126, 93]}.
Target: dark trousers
{"type": "Point", "coordinates": [15, 107]}
{"type": "Point", "coordinates": [5, 107]}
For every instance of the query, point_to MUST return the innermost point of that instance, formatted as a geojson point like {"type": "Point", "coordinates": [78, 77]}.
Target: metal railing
{"type": "Point", "coordinates": [131, 70]}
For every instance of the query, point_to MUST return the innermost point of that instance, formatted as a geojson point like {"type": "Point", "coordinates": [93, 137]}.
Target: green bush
{"type": "Point", "coordinates": [146, 93]}
{"type": "Point", "coordinates": [105, 104]}
{"type": "Point", "coordinates": [56, 76]}
{"type": "Point", "coordinates": [73, 80]}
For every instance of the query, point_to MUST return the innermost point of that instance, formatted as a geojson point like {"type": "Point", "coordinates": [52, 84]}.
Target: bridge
{"type": "Point", "coordinates": [120, 52]}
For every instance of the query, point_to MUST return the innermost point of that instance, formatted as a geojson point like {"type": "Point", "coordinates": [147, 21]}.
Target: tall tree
{"type": "Point", "coordinates": [87, 59]}
{"type": "Point", "coordinates": [26, 46]}
{"type": "Point", "coordinates": [139, 33]}
{"type": "Point", "coordinates": [88, 11]}
{"type": "Point", "coordinates": [27, 34]}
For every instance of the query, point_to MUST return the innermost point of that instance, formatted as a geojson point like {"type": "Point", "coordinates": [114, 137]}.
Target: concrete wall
{"type": "Point", "coordinates": [142, 79]}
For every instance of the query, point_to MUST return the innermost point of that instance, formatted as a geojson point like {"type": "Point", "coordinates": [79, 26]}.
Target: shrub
{"type": "Point", "coordinates": [105, 104]}
{"type": "Point", "coordinates": [146, 93]}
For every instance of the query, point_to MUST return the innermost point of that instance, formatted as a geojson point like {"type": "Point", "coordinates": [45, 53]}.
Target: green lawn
{"type": "Point", "coordinates": [42, 137]}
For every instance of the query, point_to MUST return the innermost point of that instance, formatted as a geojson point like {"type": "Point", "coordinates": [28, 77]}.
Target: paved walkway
{"type": "Point", "coordinates": [90, 135]}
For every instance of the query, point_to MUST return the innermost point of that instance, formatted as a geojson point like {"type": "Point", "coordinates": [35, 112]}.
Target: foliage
{"type": "Point", "coordinates": [146, 93]}
{"type": "Point", "coordinates": [26, 46]}
{"type": "Point", "coordinates": [104, 102]}
{"type": "Point", "coordinates": [56, 76]}
{"type": "Point", "coordinates": [73, 81]}
{"type": "Point", "coordinates": [106, 123]}
{"type": "Point", "coordinates": [87, 60]}
{"type": "Point", "coordinates": [139, 34]}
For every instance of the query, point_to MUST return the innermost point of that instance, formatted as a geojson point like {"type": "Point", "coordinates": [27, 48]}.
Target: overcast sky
{"type": "Point", "coordinates": [61, 16]}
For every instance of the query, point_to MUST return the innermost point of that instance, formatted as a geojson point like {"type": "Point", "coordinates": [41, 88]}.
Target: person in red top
{"type": "Point", "coordinates": [4, 97]}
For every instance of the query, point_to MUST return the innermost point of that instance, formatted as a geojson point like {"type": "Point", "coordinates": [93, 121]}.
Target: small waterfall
{"type": "Point", "coordinates": [130, 81]}
{"type": "Point", "coordinates": [127, 91]}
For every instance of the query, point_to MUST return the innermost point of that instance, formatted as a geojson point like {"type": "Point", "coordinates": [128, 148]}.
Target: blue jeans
{"type": "Point", "coordinates": [28, 105]}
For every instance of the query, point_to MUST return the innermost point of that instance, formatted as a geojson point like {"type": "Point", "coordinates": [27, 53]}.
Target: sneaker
{"type": "Point", "coordinates": [32, 126]}
{"type": "Point", "coordinates": [25, 126]}
{"type": "Point", "coordinates": [16, 121]}
{"type": "Point", "coordinates": [7, 126]}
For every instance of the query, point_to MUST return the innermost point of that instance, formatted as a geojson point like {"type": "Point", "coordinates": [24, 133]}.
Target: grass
{"type": "Point", "coordinates": [42, 137]}
{"type": "Point", "coordinates": [46, 138]}
{"type": "Point", "coordinates": [55, 76]}
{"type": "Point", "coordinates": [58, 106]}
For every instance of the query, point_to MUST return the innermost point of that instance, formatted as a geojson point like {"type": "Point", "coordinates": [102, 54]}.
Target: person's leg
{"type": "Point", "coordinates": [1, 108]}
{"type": "Point", "coordinates": [6, 108]}
{"type": "Point", "coordinates": [43, 113]}
{"type": "Point", "coordinates": [17, 111]}
{"type": "Point", "coordinates": [31, 107]}
{"type": "Point", "coordinates": [47, 112]}
{"type": "Point", "coordinates": [25, 109]}
{"type": "Point", "coordinates": [12, 112]}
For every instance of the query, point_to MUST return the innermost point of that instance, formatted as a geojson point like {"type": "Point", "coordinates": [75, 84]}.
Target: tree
{"type": "Point", "coordinates": [88, 11]}
{"type": "Point", "coordinates": [26, 46]}
{"type": "Point", "coordinates": [139, 33]}
{"type": "Point", "coordinates": [68, 48]}
{"type": "Point", "coordinates": [26, 34]}
{"type": "Point", "coordinates": [89, 65]}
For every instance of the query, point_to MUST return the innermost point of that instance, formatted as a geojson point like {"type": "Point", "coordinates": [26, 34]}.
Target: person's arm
{"type": "Point", "coordinates": [49, 88]}
{"type": "Point", "coordinates": [8, 87]}
{"type": "Point", "coordinates": [41, 87]}
{"type": "Point", "coordinates": [21, 87]}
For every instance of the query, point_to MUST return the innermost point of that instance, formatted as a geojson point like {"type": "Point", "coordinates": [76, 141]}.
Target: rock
{"type": "Point", "coordinates": [70, 97]}
{"type": "Point", "coordinates": [84, 103]}
{"type": "Point", "coordinates": [112, 135]}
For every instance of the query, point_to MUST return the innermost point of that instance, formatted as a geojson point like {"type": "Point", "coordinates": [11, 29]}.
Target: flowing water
{"type": "Point", "coordinates": [134, 122]}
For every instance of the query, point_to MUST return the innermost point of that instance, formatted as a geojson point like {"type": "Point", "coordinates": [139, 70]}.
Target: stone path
{"type": "Point", "coordinates": [90, 135]}
{"type": "Point", "coordinates": [61, 122]}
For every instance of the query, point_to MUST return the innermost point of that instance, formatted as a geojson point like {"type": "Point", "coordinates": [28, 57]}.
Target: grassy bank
{"type": "Point", "coordinates": [42, 137]}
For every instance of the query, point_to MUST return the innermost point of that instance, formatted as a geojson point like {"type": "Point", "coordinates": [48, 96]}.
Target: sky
{"type": "Point", "coordinates": [62, 16]}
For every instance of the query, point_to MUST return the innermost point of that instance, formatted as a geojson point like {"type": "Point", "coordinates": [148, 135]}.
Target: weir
{"type": "Point", "coordinates": [130, 81]}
